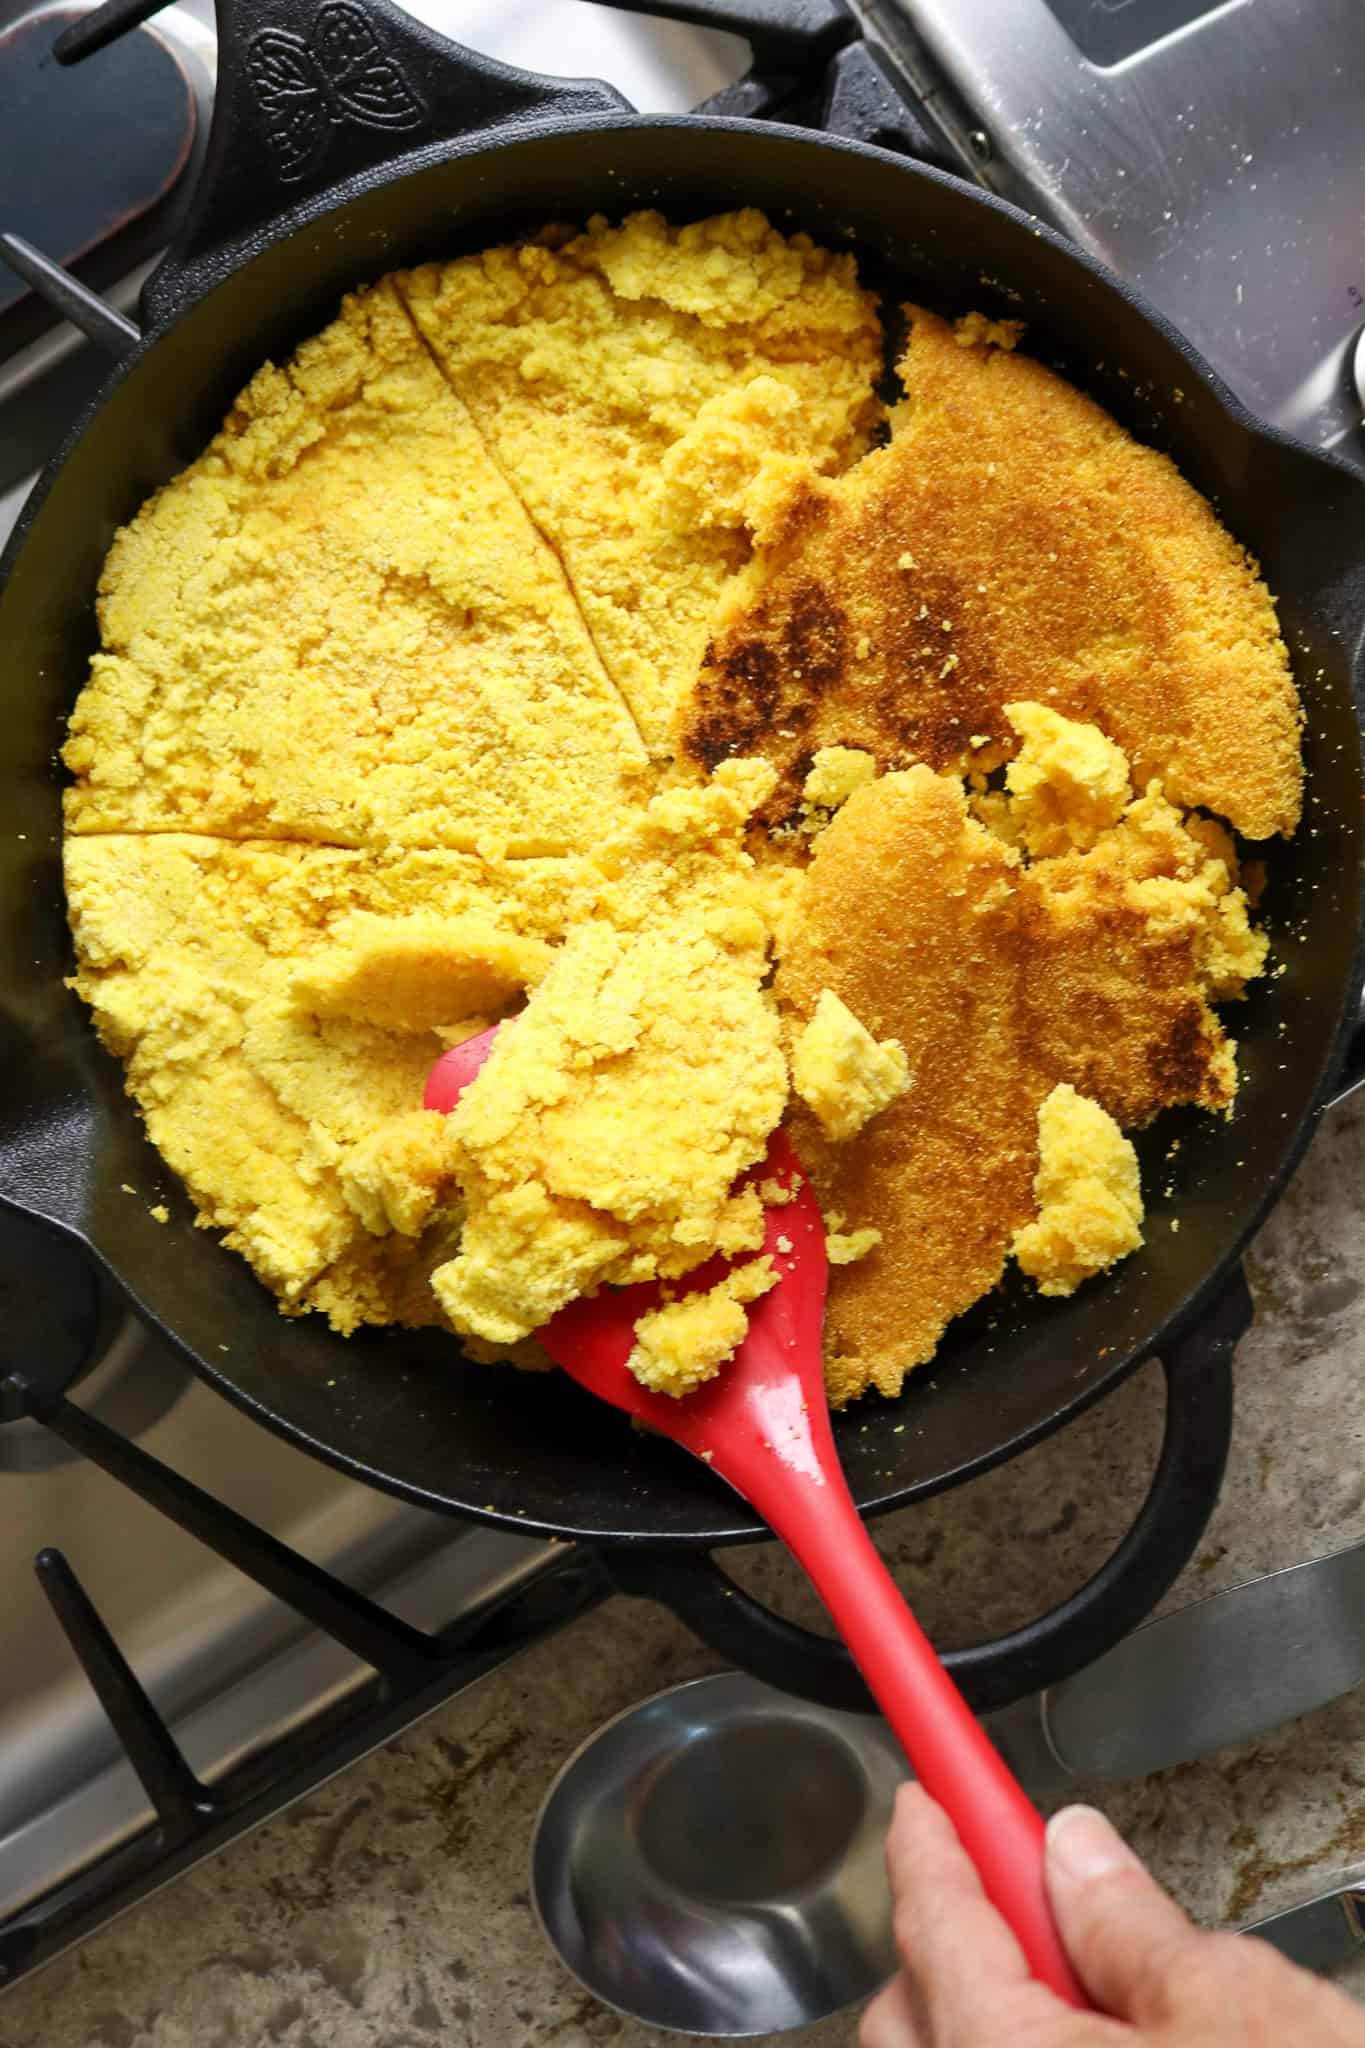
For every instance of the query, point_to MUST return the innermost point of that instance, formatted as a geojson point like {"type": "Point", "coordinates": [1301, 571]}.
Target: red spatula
{"type": "Point", "coordinates": [763, 1424]}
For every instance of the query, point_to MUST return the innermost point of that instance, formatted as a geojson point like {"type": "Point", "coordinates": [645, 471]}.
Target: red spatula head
{"type": "Point", "coordinates": [771, 1394]}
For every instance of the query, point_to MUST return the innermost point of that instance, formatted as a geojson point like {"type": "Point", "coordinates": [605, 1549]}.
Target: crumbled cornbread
{"type": "Point", "coordinates": [1001, 979]}
{"type": "Point", "coordinates": [840, 1070]}
{"type": "Point", "coordinates": [684, 1343]}
{"type": "Point", "coordinates": [835, 773]}
{"type": "Point", "coordinates": [1067, 783]}
{"type": "Point", "coordinates": [603, 1136]}
{"type": "Point", "coordinates": [975, 329]}
{"type": "Point", "coordinates": [843, 1247]}
{"type": "Point", "coordinates": [394, 1178]}
{"type": "Point", "coordinates": [1088, 1194]}
{"type": "Point", "coordinates": [188, 950]}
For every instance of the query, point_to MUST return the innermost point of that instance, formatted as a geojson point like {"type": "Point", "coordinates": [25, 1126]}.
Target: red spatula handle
{"type": "Point", "coordinates": [953, 1758]}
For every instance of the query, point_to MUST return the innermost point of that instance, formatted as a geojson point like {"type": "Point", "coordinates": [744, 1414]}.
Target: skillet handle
{"type": "Point", "coordinates": [1352, 1075]}
{"type": "Point", "coordinates": [1043, 1652]}
{"type": "Point", "coordinates": [318, 100]}
{"type": "Point", "coordinates": [865, 101]}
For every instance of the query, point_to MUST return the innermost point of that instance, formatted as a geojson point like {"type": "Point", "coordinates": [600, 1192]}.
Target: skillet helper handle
{"type": "Point", "coordinates": [1012, 1667]}
{"type": "Point", "coordinates": [319, 100]}
{"type": "Point", "coordinates": [1352, 1075]}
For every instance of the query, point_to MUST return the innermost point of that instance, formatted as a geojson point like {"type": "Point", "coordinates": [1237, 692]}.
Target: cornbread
{"type": "Point", "coordinates": [602, 1138]}
{"type": "Point", "coordinates": [548, 645]}
{"type": "Point", "coordinates": [835, 772]}
{"type": "Point", "coordinates": [418, 973]}
{"type": "Point", "coordinates": [1086, 1187]}
{"type": "Point", "coordinates": [840, 1070]}
{"type": "Point", "coordinates": [634, 385]}
{"type": "Point", "coordinates": [1066, 784]}
{"type": "Point", "coordinates": [1011, 542]}
{"type": "Point", "coordinates": [1001, 978]}
{"type": "Point", "coordinates": [685, 1343]}
{"type": "Point", "coordinates": [340, 625]}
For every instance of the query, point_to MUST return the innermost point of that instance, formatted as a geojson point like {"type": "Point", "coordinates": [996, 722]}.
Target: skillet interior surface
{"type": "Point", "coordinates": [402, 1410]}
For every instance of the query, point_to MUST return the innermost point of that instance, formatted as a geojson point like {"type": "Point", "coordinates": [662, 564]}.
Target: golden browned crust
{"type": "Point", "coordinates": [1000, 980]}
{"type": "Point", "coordinates": [1010, 542]}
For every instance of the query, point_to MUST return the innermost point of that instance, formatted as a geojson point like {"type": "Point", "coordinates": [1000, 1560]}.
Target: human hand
{"type": "Point", "coordinates": [1158, 1981]}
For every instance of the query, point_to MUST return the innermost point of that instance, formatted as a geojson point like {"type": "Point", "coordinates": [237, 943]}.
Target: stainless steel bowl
{"type": "Point", "coordinates": [711, 1861]}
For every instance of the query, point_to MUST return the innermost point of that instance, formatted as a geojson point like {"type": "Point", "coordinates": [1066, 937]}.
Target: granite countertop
{"type": "Point", "coordinates": [390, 1911]}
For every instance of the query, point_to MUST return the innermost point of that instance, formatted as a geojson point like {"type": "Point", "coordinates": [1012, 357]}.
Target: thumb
{"type": "Point", "coordinates": [1121, 1931]}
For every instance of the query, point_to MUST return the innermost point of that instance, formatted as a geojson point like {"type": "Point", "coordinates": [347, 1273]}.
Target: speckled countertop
{"type": "Point", "coordinates": [391, 1911]}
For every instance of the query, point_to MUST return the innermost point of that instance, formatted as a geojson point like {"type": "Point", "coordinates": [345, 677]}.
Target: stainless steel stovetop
{"type": "Point", "coordinates": [1212, 154]}
{"type": "Point", "coordinates": [1209, 153]}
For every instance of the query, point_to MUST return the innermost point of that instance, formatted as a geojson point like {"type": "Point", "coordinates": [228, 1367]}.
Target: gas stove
{"type": "Point", "coordinates": [1208, 153]}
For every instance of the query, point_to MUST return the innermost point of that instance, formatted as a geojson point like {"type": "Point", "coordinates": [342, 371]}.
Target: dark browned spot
{"type": "Point", "coordinates": [815, 637]}
{"type": "Point", "coordinates": [737, 702]}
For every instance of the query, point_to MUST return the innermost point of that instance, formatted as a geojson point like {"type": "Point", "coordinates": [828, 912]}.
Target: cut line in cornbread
{"type": "Point", "coordinates": [632, 383]}
{"type": "Point", "coordinates": [340, 625]}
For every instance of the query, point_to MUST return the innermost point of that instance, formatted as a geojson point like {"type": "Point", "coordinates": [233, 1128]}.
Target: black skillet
{"type": "Point", "coordinates": [344, 144]}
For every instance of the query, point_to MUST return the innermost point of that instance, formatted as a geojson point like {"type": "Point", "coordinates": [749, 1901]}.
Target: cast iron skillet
{"type": "Point", "coordinates": [445, 153]}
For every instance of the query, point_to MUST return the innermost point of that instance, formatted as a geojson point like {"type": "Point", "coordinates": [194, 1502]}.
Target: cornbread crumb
{"type": "Point", "coordinates": [835, 773]}
{"type": "Point", "coordinates": [845, 1247]}
{"type": "Point", "coordinates": [976, 330]}
{"type": "Point", "coordinates": [686, 1342]}
{"type": "Point", "coordinates": [160, 1213]}
{"type": "Point", "coordinates": [1067, 783]}
{"type": "Point", "coordinates": [842, 1072]}
{"type": "Point", "coordinates": [1088, 1192]}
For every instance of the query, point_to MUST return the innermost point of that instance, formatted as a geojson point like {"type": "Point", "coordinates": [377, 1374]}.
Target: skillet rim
{"type": "Point", "coordinates": [1201, 1300]}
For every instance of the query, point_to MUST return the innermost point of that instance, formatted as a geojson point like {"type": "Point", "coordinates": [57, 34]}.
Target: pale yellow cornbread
{"type": "Point", "coordinates": [841, 1072]}
{"type": "Point", "coordinates": [340, 625]}
{"type": "Point", "coordinates": [686, 1342]}
{"type": "Point", "coordinates": [1088, 1194]}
